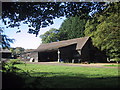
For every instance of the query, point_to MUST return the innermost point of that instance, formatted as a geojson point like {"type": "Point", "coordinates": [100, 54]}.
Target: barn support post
{"type": "Point", "coordinates": [79, 51]}
{"type": "Point", "coordinates": [79, 60]}
{"type": "Point", "coordinates": [58, 55]}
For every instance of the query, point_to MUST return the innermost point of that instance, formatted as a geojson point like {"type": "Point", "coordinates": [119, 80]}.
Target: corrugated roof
{"type": "Point", "coordinates": [80, 42]}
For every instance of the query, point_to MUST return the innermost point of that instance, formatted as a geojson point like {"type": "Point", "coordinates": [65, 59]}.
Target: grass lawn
{"type": "Point", "coordinates": [72, 77]}
{"type": "Point", "coordinates": [118, 65]}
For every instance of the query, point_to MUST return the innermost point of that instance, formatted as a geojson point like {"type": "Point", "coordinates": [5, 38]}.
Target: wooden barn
{"type": "Point", "coordinates": [73, 50]}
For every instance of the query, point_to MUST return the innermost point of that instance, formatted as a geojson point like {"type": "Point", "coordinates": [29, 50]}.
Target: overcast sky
{"type": "Point", "coordinates": [26, 40]}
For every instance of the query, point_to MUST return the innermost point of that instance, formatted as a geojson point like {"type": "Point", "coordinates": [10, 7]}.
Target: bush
{"type": "Point", "coordinates": [13, 77]}
{"type": "Point", "coordinates": [10, 77]}
{"type": "Point", "coordinates": [16, 61]}
{"type": "Point", "coordinates": [8, 67]}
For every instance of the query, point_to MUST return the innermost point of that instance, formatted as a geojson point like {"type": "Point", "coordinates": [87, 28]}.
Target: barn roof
{"type": "Point", "coordinates": [80, 42]}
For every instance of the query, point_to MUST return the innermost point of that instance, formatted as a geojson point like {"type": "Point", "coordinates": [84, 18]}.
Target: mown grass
{"type": "Point", "coordinates": [73, 77]}
{"type": "Point", "coordinates": [118, 65]}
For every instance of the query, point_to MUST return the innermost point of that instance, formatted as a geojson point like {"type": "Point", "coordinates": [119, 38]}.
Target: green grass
{"type": "Point", "coordinates": [73, 77]}
{"type": "Point", "coordinates": [15, 59]}
{"type": "Point", "coordinates": [118, 65]}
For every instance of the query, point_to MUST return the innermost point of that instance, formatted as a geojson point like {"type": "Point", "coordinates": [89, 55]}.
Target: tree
{"type": "Point", "coordinates": [4, 39]}
{"type": "Point", "coordinates": [41, 14]}
{"type": "Point", "coordinates": [16, 51]}
{"type": "Point", "coordinates": [50, 36]}
{"type": "Point", "coordinates": [105, 31]}
{"type": "Point", "coordinates": [73, 27]}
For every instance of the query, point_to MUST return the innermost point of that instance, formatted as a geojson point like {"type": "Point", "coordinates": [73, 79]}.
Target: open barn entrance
{"type": "Point", "coordinates": [49, 56]}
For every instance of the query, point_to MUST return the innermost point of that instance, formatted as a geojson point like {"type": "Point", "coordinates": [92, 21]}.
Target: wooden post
{"type": "Point", "coordinates": [79, 60]}
{"type": "Point", "coordinates": [79, 51]}
{"type": "Point", "coordinates": [58, 55]}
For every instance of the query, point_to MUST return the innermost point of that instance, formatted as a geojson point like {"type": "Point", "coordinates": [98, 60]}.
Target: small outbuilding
{"type": "Point", "coordinates": [5, 53]}
{"type": "Point", "coordinates": [73, 50]}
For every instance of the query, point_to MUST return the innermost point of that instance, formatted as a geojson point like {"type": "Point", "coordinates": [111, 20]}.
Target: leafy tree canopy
{"type": "Point", "coordinates": [105, 31]}
{"type": "Point", "coordinates": [51, 36]}
{"type": "Point", "coordinates": [4, 39]}
{"type": "Point", "coordinates": [72, 27]}
{"type": "Point", "coordinates": [41, 14]}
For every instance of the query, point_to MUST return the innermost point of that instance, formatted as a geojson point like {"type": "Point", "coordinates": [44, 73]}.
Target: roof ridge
{"type": "Point", "coordinates": [66, 40]}
{"type": "Point", "coordinates": [55, 45]}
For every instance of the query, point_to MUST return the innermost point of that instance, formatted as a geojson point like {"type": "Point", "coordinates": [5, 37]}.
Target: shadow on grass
{"type": "Point", "coordinates": [77, 82]}
{"type": "Point", "coordinates": [61, 80]}
{"type": "Point", "coordinates": [20, 80]}
{"type": "Point", "coordinates": [58, 80]}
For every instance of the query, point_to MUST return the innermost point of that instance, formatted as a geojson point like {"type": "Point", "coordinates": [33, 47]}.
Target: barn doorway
{"type": "Point", "coordinates": [48, 56]}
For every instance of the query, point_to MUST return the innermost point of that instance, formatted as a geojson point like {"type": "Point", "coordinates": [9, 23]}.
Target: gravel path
{"type": "Point", "coordinates": [97, 65]}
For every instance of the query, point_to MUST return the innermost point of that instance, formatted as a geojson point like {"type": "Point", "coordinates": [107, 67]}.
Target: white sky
{"type": "Point", "coordinates": [26, 40]}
